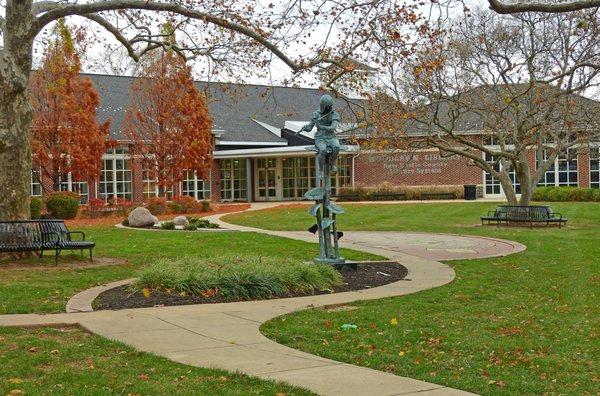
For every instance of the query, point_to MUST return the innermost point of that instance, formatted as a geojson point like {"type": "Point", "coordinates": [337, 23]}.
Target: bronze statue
{"type": "Point", "coordinates": [327, 148]}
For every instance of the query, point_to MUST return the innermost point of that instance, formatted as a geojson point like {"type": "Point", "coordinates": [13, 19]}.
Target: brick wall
{"type": "Point", "coordinates": [215, 184]}
{"type": "Point", "coordinates": [416, 168]}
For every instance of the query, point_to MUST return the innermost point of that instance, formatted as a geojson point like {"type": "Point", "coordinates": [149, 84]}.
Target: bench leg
{"type": "Point", "coordinates": [41, 253]}
{"type": "Point", "coordinates": [91, 255]}
{"type": "Point", "coordinates": [56, 256]}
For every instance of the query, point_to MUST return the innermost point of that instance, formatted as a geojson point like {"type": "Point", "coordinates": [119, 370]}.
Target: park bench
{"type": "Point", "coordinates": [437, 195]}
{"type": "Point", "coordinates": [391, 196]}
{"type": "Point", "coordinates": [40, 236]}
{"type": "Point", "coordinates": [524, 214]}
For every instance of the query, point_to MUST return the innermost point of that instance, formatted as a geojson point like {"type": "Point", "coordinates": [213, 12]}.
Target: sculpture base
{"type": "Point", "coordinates": [339, 263]}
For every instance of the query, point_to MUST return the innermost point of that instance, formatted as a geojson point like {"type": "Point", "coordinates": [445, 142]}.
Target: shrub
{"type": "Point", "coordinates": [251, 277]}
{"type": "Point", "coordinates": [187, 204]}
{"type": "Point", "coordinates": [96, 207]}
{"type": "Point", "coordinates": [190, 227]}
{"type": "Point", "coordinates": [174, 207]}
{"type": "Point", "coordinates": [125, 222]}
{"type": "Point", "coordinates": [156, 205]}
{"type": "Point", "coordinates": [566, 194]}
{"type": "Point", "coordinates": [412, 192]}
{"type": "Point", "coordinates": [123, 206]}
{"type": "Point", "coordinates": [35, 208]}
{"type": "Point", "coordinates": [205, 206]}
{"type": "Point", "coordinates": [62, 205]}
{"type": "Point", "coordinates": [167, 225]}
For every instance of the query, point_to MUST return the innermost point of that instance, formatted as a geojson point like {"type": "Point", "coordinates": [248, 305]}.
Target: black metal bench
{"type": "Point", "coordinates": [40, 236]}
{"type": "Point", "coordinates": [391, 196]}
{"type": "Point", "coordinates": [443, 195]}
{"type": "Point", "coordinates": [524, 214]}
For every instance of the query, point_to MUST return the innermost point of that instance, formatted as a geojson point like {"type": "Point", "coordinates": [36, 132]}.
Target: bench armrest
{"type": "Point", "coordinates": [491, 213]}
{"type": "Point", "coordinates": [58, 238]}
{"type": "Point", "coordinates": [555, 214]}
{"type": "Point", "coordinates": [78, 232]}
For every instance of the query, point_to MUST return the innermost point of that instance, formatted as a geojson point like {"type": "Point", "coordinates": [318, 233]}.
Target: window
{"type": "Point", "coordinates": [79, 187]}
{"type": "Point", "coordinates": [492, 185]}
{"type": "Point", "coordinates": [115, 179]}
{"type": "Point", "coordinates": [36, 185]}
{"type": "Point", "coordinates": [233, 179]}
{"type": "Point", "coordinates": [297, 176]}
{"type": "Point", "coordinates": [595, 167]}
{"type": "Point", "coordinates": [563, 172]}
{"type": "Point", "coordinates": [195, 187]}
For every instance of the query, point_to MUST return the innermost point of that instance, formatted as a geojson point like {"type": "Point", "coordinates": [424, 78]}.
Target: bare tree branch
{"type": "Point", "coordinates": [513, 7]}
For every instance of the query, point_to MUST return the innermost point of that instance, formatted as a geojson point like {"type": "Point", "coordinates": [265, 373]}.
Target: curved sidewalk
{"type": "Point", "coordinates": [227, 335]}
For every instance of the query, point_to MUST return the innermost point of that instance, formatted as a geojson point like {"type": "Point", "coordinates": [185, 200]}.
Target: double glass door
{"type": "Point", "coordinates": [267, 179]}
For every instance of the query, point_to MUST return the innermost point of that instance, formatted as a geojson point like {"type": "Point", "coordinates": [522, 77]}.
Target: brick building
{"type": "Point", "coordinates": [258, 156]}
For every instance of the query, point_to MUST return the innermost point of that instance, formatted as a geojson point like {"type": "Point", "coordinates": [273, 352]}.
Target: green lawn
{"type": "Point", "coordinates": [522, 324]}
{"type": "Point", "coordinates": [69, 361]}
{"type": "Point", "coordinates": [48, 290]}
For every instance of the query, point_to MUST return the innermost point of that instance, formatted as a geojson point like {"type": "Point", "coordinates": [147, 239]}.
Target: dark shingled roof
{"type": "Point", "coordinates": [232, 107]}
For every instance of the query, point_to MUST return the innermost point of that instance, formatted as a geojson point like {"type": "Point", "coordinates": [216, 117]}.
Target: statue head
{"type": "Point", "coordinates": [326, 104]}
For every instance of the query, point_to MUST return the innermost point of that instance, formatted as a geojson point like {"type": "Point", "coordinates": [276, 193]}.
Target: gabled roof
{"type": "Point", "coordinates": [239, 111]}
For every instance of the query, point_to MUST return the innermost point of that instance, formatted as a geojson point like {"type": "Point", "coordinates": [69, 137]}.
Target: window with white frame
{"type": "Point", "coordinates": [194, 186]}
{"type": "Point", "coordinates": [595, 167]}
{"type": "Point", "coordinates": [563, 171]}
{"type": "Point", "coordinates": [68, 183]}
{"type": "Point", "coordinates": [115, 179]}
{"type": "Point", "coordinates": [36, 183]}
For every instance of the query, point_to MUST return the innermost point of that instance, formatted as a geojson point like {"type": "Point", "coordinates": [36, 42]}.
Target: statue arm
{"type": "Point", "coordinates": [308, 127]}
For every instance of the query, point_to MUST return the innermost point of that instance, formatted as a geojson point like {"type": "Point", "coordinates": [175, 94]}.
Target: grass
{"type": "Point", "coordinates": [523, 324]}
{"type": "Point", "coordinates": [249, 277]}
{"type": "Point", "coordinates": [48, 290]}
{"type": "Point", "coordinates": [69, 361]}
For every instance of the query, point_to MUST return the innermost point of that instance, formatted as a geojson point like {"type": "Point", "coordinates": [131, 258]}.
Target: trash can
{"type": "Point", "coordinates": [470, 192]}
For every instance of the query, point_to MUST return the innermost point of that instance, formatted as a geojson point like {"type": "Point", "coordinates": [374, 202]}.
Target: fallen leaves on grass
{"type": "Point", "coordinates": [394, 321]}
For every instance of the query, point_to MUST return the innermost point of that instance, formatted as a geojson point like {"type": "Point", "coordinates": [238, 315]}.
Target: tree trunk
{"type": "Point", "coordinates": [15, 112]}
{"type": "Point", "coordinates": [509, 189]}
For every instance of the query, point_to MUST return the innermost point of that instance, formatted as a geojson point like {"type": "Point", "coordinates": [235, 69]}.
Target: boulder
{"type": "Point", "coordinates": [141, 217]}
{"type": "Point", "coordinates": [181, 221]}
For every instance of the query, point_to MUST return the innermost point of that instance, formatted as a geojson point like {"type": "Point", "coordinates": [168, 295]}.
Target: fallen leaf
{"type": "Point", "coordinates": [54, 351]}
{"type": "Point", "coordinates": [394, 322]}
{"type": "Point", "coordinates": [15, 381]}
{"type": "Point", "coordinates": [33, 349]}
{"type": "Point", "coordinates": [143, 377]}
{"type": "Point", "coordinates": [146, 292]}
{"type": "Point", "coordinates": [401, 353]}
{"type": "Point", "coordinates": [325, 342]}
{"type": "Point", "coordinates": [16, 392]}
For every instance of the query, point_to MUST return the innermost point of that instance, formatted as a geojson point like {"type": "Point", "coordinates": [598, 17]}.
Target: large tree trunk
{"type": "Point", "coordinates": [509, 189]}
{"type": "Point", "coordinates": [15, 112]}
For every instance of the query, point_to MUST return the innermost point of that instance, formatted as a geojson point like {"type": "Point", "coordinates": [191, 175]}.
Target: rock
{"type": "Point", "coordinates": [181, 221]}
{"type": "Point", "coordinates": [141, 217]}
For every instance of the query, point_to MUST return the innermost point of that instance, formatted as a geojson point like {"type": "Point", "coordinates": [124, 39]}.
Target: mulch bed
{"type": "Point", "coordinates": [368, 275]}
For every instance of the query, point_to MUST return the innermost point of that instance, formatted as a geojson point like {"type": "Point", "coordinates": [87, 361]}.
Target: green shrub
{"type": "Point", "coordinates": [167, 225]}
{"type": "Point", "coordinates": [566, 194]}
{"type": "Point", "coordinates": [205, 206]}
{"type": "Point", "coordinates": [252, 277]}
{"type": "Point", "coordinates": [193, 219]}
{"type": "Point", "coordinates": [411, 192]}
{"type": "Point", "coordinates": [175, 207]}
{"type": "Point", "coordinates": [125, 222]}
{"type": "Point", "coordinates": [62, 205]}
{"type": "Point", "coordinates": [190, 227]}
{"type": "Point", "coordinates": [35, 208]}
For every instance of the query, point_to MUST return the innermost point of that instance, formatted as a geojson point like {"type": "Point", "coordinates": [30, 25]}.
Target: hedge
{"type": "Point", "coordinates": [566, 194]}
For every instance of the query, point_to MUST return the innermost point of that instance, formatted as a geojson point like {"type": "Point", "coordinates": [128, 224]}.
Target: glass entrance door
{"type": "Point", "coordinates": [266, 179]}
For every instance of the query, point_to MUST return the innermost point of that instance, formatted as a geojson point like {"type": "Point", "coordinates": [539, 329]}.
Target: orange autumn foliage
{"type": "Point", "coordinates": [168, 120]}
{"type": "Point", "coordinates": [65, 135]}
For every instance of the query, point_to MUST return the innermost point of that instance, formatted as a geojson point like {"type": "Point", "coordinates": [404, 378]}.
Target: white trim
{"type": "Point", "coordinates": [248, 143]}
{"type": "Point", "coordinates": [276, 151]}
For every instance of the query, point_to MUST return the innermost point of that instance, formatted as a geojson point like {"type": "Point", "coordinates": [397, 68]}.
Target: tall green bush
{"type": "Point", "coordinates": [35, 207]}
{"type": "Point", "coordinates": [62, 205]}
{"type": "Point", "coordinates": [566, 194]}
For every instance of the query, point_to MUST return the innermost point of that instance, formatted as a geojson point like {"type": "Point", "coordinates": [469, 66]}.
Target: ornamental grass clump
{"type": "Point", "coordinates": [235, 277]}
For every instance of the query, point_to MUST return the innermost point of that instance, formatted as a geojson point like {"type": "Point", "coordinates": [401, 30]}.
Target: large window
{"type": "Point", "coordinates": [68, 183]}
{"type": "Point", "coordinates": [595, 167]}
{"type": "Point", "coordinates": [36, 185]}
{"type": "Point", "coordinates": [563, 172]}
{"type": "Point", "coordinates": [115, 180]}
{"type": "Point", "coordinates": [233, 179]}
{"type": "Point", "coordinates": [297, 176]}
{"type": "Point", "coordinates": [195, 187]}
{"type": "Point", "coordinates": [492, 185]}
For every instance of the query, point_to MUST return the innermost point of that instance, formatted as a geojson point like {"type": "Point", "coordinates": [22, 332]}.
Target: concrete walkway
{"type": "Point", "coordinates": [227, 335]}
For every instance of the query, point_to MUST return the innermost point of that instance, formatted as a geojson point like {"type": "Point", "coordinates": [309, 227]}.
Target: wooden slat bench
{"type": "Point", "coordinates": [40, 236]}
{"type": "Point", "coordinates": [534, 214]}
{"type": "Point", "coordinates": [389, 196]}
{"type": "Point", "coordinates": [443, 195]}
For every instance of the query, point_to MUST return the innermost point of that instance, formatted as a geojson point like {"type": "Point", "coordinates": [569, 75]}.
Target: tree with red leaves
{"type": "Point", "coordinates": [65, 135]}
{"type": "Point", "coordinates": [168, 120]}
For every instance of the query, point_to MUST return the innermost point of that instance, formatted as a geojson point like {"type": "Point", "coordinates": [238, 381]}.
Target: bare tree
{"type": "Point", "coordinates": [512, 7]}
{"type": "Point", "coordinates": [236, 36]}
{"type": "Point", "coordinates": [504, 92]}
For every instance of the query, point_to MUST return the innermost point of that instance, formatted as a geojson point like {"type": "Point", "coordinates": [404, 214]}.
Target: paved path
{"type": "Point", "coordinates": [227, 335]}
